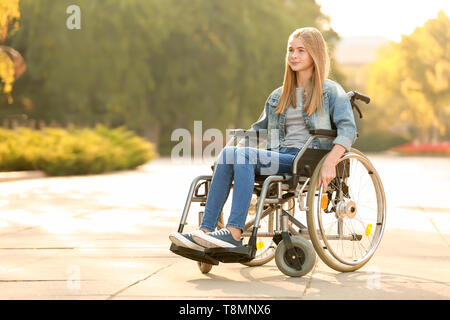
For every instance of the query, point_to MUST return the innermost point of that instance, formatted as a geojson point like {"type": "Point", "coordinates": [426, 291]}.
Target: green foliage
{"type": "Point", "coordinates": [19, 149]}
{"type": "Point", "coordinates": [156, 65]}
{"type": "Point", "coordinates": [73, 151]}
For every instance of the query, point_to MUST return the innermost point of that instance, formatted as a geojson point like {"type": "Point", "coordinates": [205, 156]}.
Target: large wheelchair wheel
{"type": "Point", "coordinates": [346, 223]}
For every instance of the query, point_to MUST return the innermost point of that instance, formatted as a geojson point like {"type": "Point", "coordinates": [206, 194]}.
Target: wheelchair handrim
{"type": "Point", "coordinates": [322, 245]}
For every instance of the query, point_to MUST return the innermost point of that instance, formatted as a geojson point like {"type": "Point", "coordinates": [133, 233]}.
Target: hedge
{"type": "Point", "coordinates": [73, 151]}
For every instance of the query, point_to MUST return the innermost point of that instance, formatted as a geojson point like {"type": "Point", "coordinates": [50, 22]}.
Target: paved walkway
{"type": "Point", "coordinates": [105, 237]}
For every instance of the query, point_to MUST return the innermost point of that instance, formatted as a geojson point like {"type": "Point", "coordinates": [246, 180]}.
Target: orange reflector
{"type": "Point", "coordinates": [260, 245]}
{"type": "Point", "coordinates": [324, 202]}
{"type": "Point", "coordinates": [368, 229]}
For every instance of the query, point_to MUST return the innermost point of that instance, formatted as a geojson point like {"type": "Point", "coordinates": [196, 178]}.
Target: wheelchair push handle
{"type": "Point", "coordinates": [354, 95]}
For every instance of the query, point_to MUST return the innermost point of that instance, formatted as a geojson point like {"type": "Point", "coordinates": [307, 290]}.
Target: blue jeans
{"type": "Point", "coordinates": [241, 164]}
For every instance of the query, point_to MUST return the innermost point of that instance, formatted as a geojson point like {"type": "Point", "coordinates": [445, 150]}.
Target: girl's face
{"type": "Point", "coordinates": [297, 56]}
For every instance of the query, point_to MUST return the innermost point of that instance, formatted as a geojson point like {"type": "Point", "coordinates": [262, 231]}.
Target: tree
{"type": "Point", "coordinates": [155, 65]}
{"type": "Point", "coordinates": [11, 62]}
{"type": "Point", "coordinates": [410, 82]}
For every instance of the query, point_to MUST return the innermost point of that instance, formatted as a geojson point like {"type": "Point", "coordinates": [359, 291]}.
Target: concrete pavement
{"type": "Point", "coordinates": [105, 237]}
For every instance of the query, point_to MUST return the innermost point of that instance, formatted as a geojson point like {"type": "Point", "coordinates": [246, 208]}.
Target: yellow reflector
{"type": "Point", "coordinates": [368, 229]}
{"type": "Point", "coordinates": [324, 202]}
{"type": "Point", "coordinates": [260, 245]}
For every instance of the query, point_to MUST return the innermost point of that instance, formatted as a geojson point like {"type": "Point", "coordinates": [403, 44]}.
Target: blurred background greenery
{"type": "Point", "coordinates": [153, 66]}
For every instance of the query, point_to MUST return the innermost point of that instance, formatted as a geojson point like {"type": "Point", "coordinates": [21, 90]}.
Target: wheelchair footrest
{"type": "Point", "coordinates": [193, 254]}
{"type": "Point", "coordinates": [229, 255]}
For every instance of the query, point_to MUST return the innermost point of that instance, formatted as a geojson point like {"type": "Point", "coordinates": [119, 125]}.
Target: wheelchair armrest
{"type": "Point", "coordinates": [323, 132]}
{"type": "Point", "coordinates": [326, 133]}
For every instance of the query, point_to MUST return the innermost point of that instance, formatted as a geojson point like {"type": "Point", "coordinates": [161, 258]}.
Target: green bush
{"type": "Point", "coordinates": [73, 151]}
{"type": "Point", "coordinates": [376, 141]}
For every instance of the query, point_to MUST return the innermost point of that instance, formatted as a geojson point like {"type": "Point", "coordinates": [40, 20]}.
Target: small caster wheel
{"type": "Point", "coordinates": [204, 267]}
{"type": "Point", "coordinates": [286, 262]}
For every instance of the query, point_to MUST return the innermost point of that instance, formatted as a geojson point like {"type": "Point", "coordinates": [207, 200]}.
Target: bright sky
{"type": "Point", "coordinates": [385, 18]}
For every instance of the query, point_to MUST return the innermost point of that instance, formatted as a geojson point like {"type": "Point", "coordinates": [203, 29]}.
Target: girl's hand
{"type": "Point", "coordinates": [327, 173]}
{"type": "Point", "coordinates": [328, 170]}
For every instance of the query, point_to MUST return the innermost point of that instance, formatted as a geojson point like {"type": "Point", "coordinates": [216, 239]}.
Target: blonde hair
{"type": "Point", "coordinates": [316, 46]}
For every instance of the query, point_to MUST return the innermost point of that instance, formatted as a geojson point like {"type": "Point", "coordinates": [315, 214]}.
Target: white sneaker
{"type": "Point", "coordinates": [218, 239]}
{"type": "Point", "coordinates": [185, 240]}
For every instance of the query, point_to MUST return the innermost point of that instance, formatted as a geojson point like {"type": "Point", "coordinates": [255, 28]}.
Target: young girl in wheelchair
{"type": "Point", "coordinates": [307, 100]}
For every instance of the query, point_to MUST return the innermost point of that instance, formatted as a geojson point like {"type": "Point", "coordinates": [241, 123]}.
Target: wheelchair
{"type": "Point", "coordinates": [344, 224]}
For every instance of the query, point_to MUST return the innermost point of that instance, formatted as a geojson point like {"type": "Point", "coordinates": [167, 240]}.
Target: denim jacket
{"type": "Point", "coordinates": [337, 111]}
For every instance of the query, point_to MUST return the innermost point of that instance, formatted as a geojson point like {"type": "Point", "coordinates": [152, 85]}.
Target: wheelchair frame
{"type": "Point", "coordinates": [286, 187]}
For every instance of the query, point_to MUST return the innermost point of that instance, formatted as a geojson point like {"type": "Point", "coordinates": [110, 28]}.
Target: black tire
{"type": "Point", "coordinates": [204, 267]}
{"type": "Point", "coordinates": [305, 252]}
